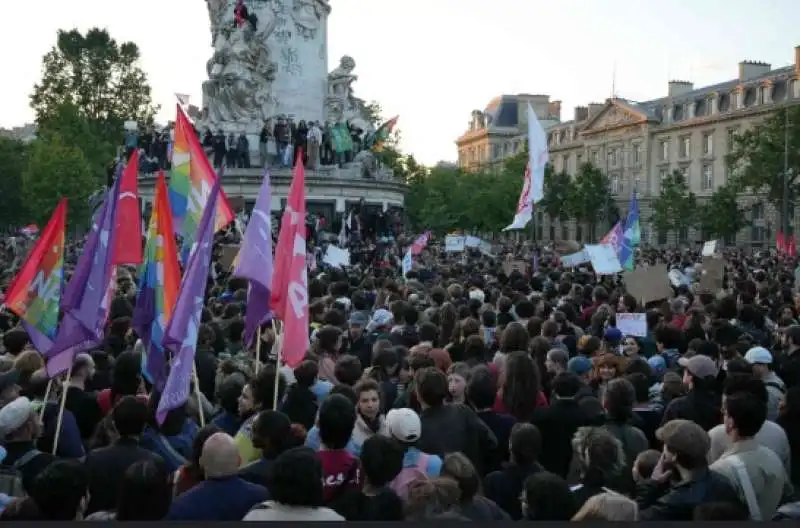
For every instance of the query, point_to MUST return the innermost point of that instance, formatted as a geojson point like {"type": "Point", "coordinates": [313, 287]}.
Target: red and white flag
{"type": "Point", "coordinates": [533, 185]}
{"type": "Point", "coordinates": [129, 216]}
{"type": "Point", "coordinates": [289, 299]}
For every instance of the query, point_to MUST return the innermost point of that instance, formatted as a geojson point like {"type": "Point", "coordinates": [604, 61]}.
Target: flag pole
{"type": "Point", "coordinates": [61, 409]}
{"type": "Point", "coordinates": [46, 397]}
{"type": "Point", "coordinates": [197, 395]}
{"type": "Point", "coordinates": [258, 348]}
{"type": "Point", "coordinates": [278, 331]}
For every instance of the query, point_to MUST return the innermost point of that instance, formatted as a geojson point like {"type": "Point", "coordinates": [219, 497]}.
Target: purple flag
{"type": "Point", "coordinates": [255, 261]}
{"type": "Point", "coordinates": [84, 303]}
{"type": "Point", "coordinates": [180, 336]}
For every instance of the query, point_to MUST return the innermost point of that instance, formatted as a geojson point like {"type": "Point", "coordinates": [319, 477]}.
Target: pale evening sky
{"type": "Point", "coordinates": [433, 61]}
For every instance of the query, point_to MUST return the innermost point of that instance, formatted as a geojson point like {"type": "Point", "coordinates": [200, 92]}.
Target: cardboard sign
{"type": "Point", "coordinates": [511, 266]}
{"type": "Point", "coordinates": [228, 256]}
{"type": "Point", "coordinates": [713, 273]}
{"type": "Point", "coordinates": [709, 248]}
{"type": "Point", "coordinates": [648, 284]}
{"type": "Point", "coordinates": [565, 247]}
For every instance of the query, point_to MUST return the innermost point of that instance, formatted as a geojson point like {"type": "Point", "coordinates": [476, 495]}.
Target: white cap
{"type": "Point", "coordinates": [477, 294]}
{"type": "Point", "coordinates": [14, 415]}
{"type": "Point", "coordinates": [404, 425]}
{"type": "Point", "coordinates": [758, 356]}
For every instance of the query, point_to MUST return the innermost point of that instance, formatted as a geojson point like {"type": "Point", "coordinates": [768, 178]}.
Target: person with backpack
{"type": "Point", "coordinates": [405, 426]}
{"type": "Point", "coordinates": [761, 361]}
{"type": "Point", "coordinates": [19, 428]}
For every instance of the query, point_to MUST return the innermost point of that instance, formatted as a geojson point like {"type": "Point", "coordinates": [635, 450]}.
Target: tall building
{"type": "Point", "coordinates": [689, 129]}
{"type": "Point", "coordinates": [501, 129]}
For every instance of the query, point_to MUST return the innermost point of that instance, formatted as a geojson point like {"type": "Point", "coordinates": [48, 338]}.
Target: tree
{"type": "Point", "coordinates": [722, 216]}
{"type": "Point", "coordinates": [756, 158]}
{"type": "Point", "coordinates": [590, 198]}
{"type": "Point", "coordinates": [675, 209]}
{"type": "Point", "coordinates": [558, 189]}
{"type": "Point", "coordinates": [55, 169]}
{"type": "Point", "coordinates": [12, 164]}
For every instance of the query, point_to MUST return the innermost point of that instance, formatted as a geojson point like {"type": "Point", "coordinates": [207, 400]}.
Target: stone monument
{"type": "Point", "coordinates": [275, 63]}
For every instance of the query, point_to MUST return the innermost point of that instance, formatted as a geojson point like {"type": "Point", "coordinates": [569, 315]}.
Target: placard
{"type": "Point", "coordinates": [713, 273]}
{"type": "Point", "coordinates": [510, 266]}
{"type": "Point", "coordinates": [336, 257]}
{"type": "Point", "coordinates": [709, 248]}
{"type": "Point", "coordinates": [574, 260]}
{"type": "Point", "coordinates": [648, 284]}
{"type": "Point", "coordinates": [454, 243]}
{"type": "Point", "coordinates": [603, 258]}
{"type": "Point", "coordinates": [632, 324]}
{"type": "Point", "coordinates": [228, 256]}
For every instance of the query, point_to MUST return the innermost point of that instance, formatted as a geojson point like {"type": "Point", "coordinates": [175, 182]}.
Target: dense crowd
{"type": "Point", "coordinates": [461, 391]}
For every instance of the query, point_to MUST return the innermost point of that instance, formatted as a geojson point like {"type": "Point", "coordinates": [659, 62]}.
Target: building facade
{"type": "Point", "coordinates": [501, 129]}
{"type": "Point", "coordinates": [689, 129]}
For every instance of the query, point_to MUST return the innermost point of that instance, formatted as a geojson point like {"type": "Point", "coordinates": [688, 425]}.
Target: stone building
{"type": "Point", "coordinates": [501, 129]}
{"type": "Point", "coordinates": [689, 129]}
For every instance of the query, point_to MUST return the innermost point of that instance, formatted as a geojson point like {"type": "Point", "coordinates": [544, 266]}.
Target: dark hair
{"type": "Point", "coordinates": [566, 384]}
{"type": "Point", "coordinates": [145, 492]}
{"type": "Point", "coordinates": [59, 489]}
{"type": "Point", "coordinates": [432, 386]}
{"type": "Point", "coordinates": [229, 391]}
{"type": "Point", "coordinates": [263, 386]}
{"type": "Point", "coordinates": [127, 375]}
{"type": "Point", "coordinates": [347, 370]}
{"type": "Point", "coordinates": [481, 388]}
{"type": "Point", "coordinates": [305, 374]}
{"type": "Point", "coordinates": [526, 444]}
{"type": "Point", "coordinates": [549, 497]}
{"type": "Point", "coordinates": [620, 397]}
{"type": "Point", "coordinates": [747, 412]}
{"type": "Point", "coordinates": [521, 385]}
{"type": "Point", "coordinates": [130, 416]}
{"type": "Point", "coordinates": [346, 391]}
{"type": "Point", "coordinates": [748, 383]}
{"type": "Point", "coordinates": [335, 422]}
{"type": "Point", "coordinates": [297, 478]}
{"type": "Point", "coordinates": [381, 460]}
{"type": "Point", "coordinates": [669, 336]}
{"type": "Point", "coordinates": [721, 511]}
{"type": "Point", "coordinates": [641, 386]}
{"type": "Point", "coordinates": [272, 433]}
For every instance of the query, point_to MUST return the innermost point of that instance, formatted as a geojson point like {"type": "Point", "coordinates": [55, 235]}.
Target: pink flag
{"type": "Point", "coordinates": [289, 298]}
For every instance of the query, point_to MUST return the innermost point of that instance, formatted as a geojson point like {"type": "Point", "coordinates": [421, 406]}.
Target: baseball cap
{"type": "Point", "coordinates": [358, 319]}
{"type": "Point", "coordinates": [404, 425]}
{"type": "Point", "coordinates": [684, 437]}
{"type": "Point", "coordinates": [700, 366]}
{"type": "Point", "coordinates": [579, 365]}
{"type": "Point", "coordinates": [657, 364]}
{"type": "Point", "coordinates": [613, 334]}
{"type": "Point", "coordinates": [758, 356]}
{"type": "Point", "coordinates": [14, 415]}
{"type": "Point", "coordinates": [381, 317]}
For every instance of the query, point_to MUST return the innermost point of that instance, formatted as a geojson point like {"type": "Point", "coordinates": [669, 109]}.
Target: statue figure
{"type": "Point", "coordinates": [341, 79]}
{"type": "Point", "coordinates": [306, 17]}
{"type": "Point", "coordinates": [240, 72]}
{"type": "Point", "coordinates": [217, 11]}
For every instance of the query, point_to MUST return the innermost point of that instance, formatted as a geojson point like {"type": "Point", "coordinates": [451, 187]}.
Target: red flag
{"type": "Point", "coordinates": [791, 247]}
{"type": "Point", "coordinates": [289, 298]}
{"type": "Point", "coordinates": [128, 248]}
{"type": "Point", "coordinates": [780, 242]}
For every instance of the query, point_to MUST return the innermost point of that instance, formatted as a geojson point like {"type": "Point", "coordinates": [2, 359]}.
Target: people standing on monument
{"type": "Point", "coordinates": [327, 145]}
{"type": "Point", "coordinates": [230, 160]}
{"type": "Point", "coordinates": [299, 138]}
{"type": "Point", "coordinates": [264, 139]}
{"type": "Point", "coordinates": [218, 146]}
{"type": "Point", "coordinates": [281, 133]}
{"type": "Point", "coordinates": [314, 140]}
{"type": "Point", "coordinates": [242, 151]}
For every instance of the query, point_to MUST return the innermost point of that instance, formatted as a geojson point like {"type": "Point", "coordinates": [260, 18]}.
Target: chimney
{"type": "Point", "coordinates": [554, 110]}
{"type": "Point", "coordinates": [797, 60]}
{"type": "Point", "coordinates": [595, 108]}
{"type": "Point", "coordinates": [581, 114]}
{"type": "Point", "coordinates": [676, 88]}
{"type": "Point", "coordinates": [752, 69]}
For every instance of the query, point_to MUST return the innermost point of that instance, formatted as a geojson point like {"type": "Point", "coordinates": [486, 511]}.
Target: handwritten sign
{"type": "Point", "coordinates": [648, 284]}
{"type": "Point", "coordinates": [632, 324]}
{"type": "Point", "coordinates": [336, 257]}
{"type": "Point", "coordinates": [709, 248]}
{"type": "Point", "coordinates": [454, 243]}
{"type": "Point", "coordinates": [603, 258]}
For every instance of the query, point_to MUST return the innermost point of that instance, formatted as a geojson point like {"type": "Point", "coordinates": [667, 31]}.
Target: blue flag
{"type": "Point", "coordinates": [631, 235]}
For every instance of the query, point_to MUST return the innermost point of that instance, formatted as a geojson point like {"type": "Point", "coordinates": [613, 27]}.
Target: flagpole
{"type": "Point", "coordinates": [61, 409]}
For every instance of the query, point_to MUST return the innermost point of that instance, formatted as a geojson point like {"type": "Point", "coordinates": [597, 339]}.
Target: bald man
{"type": "Point", "coordinates": [223, 496]}
{"type": "Point", "coordinates": [81, 402]}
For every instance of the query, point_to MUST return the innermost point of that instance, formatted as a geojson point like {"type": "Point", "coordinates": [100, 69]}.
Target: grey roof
{"type": "Point", "coordinates": [503, 111]}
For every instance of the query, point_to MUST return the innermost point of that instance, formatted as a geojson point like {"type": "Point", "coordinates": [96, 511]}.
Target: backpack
{"type": "Point", "coordinates": [11, 476]}
{"type": "Point", "coordinates": [403, 480]}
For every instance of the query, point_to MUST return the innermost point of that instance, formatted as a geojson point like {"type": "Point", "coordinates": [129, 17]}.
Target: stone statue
{"type": "Point", "coordinates": [218, 11]}
{"type": "Point", "coordinates": [237, 93]}
{"type": "Point", "coordinates": [341, 79]}
{"type": "Point", "coordinates": [306, 16]}
{"type": "Point", "coordinates": [341, 103]}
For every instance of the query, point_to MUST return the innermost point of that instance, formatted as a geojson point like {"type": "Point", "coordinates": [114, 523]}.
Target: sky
{"type": "Point", "coordinates": [434, 61]}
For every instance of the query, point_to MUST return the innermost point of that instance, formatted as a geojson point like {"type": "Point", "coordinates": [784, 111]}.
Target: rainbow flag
{"type": "Point", "coordinates": [35, 293]}
{"type": "Point", "coordinates": [159, 282]}
{"type": "Point", "coordinates": [376, 141]}
{"type": "Point", "coordinates": [190, 185]}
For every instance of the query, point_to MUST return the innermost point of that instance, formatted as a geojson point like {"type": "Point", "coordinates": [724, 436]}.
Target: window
{"type": "Point", "coordinates": [637, 176]}
{"type": "Point", "coordinates": [578, 161]}
{"type": "Point", "coordinates": [685, 147]}
{"type": "Point", "coordinates": [664, 150]}
{"type": "Point", "coordinates": [516, 147]}
{"type": "Point", "coordinates": [615, 184]}
{"type": "Point", "coordinates": [564, 232]}
{"type": "Point", "coordinates": [579, 233]}
{"type": "Point", "coordinates": [552, 231]}
{"type": "Point", "coordinates": [612, 157]}
{"type": "Point", "coordinates": [662, 238]}
{"type": "Point", "coordinates": [495, 151]}
{"type": "Point", "coordinates": [565, 163]}
{"type": "Point", "coordinates": [683, 235]}
{"type": "Point", "coordinates": [644, 234]}
{"type": "Point", "coordinates": [595, 158]}
{"type": "Point", "coordinates": [637, 153]}
{"type": "Point", "coordinates": [708, 177]}
{"type": "Point", "coordinates": [731, 138]}
{"type": "Point", "coordinates": [708, 143]}
{"type": "Point", "coordinates": [662, 175]}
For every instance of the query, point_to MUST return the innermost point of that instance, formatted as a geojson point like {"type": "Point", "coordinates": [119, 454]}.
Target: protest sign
{"type": "Point", "coordinates": [603, 258]}
{"type": "Point", "coordinates": [648, 284]}
{"type": "Point", "coordinates": [336, 257]}
{"type": "Point", "coordinates": [454, 243]}
{"type": "Point", "coordinates": [632, 324]}
{"type": "Point", "coordinates": [709, 248]}
{"type": "Point", "coordinates": [229, 253]}
{"type": "Point", "coordinates": [510, 266]}
{"type": "Point", "coordinates": [713, 273]}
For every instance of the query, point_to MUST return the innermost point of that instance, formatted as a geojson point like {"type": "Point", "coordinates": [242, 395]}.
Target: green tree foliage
{"type": "Point", "coordinates": [591, 196]}
{"type": "Point", "coordinates": [756, 158]}
{"type": "Point", "coordinates": [12, 165]}
{"type": "Point", "coordinates": [559, 190]}
{"type": "Point", "coordinates": [90, 85]}
{"type": "Point", "coordinates": [675, 209]}
{"type": "Point", "coordinates": [56, 169]}
{"type": "Point", "coordinates": [722, 216]}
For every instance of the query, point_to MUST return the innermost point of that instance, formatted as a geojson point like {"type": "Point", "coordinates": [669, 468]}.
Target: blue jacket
{"type": "Point", "coordinates": [225, 499]}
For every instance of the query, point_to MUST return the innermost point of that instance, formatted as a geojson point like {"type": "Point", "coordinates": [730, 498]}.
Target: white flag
{"type": "Point", "coordinates": [533, 185]}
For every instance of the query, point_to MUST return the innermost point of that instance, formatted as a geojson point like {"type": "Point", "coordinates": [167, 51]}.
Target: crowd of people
{"type": "Point", "coordinates": [459, 391]}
